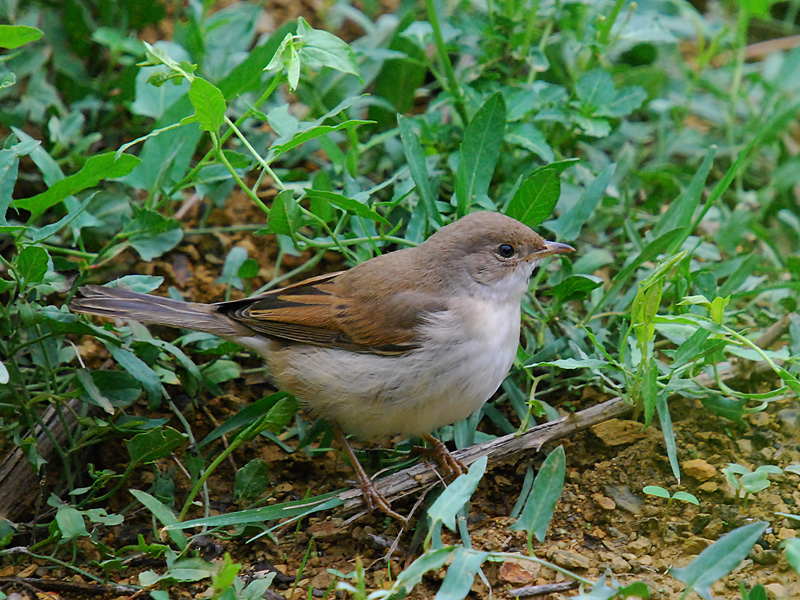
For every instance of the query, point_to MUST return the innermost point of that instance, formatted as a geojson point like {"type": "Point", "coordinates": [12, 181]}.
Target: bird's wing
{"type": "Point", "coordinates": [324, 311]}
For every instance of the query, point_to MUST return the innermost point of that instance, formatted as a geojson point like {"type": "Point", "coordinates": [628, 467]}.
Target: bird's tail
{"type": "Point", "coordinates": [120, 303]}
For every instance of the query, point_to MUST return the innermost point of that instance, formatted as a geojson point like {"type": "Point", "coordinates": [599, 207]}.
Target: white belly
{"type": "Point", "coordinates": [458, 368]}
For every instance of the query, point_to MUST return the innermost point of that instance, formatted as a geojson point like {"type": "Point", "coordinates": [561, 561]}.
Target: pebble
{"type": "Point", "coordinates": [519, 571]}
{"type": "Point", "coordinates": [699, 469]}
{"type": "Point", "coordinates": [759, 419]}
{"type": "Point", "coordinates": [784, 533]}
{"type": "Point", "coordinates": [620, 565]}
{"type": "Point", "coordinates": [604, 502]}
{"type": "Point", "coordinates": [775, 591]}
{"type": "Point", "coordinates": [570, 560]}
{"type": "Point", "coordinates": [709, 487]}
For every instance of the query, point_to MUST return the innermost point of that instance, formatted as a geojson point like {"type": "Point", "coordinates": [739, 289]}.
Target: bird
{"type": "Point", "coordinates": [401, 344]}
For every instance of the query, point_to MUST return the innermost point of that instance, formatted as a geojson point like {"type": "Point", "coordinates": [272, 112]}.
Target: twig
{"type": "Point", "coordinates": [541, 590]}
{"type": "Point", "coordinates": [62, 585]}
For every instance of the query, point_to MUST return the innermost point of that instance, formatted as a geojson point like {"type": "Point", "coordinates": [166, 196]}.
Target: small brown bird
{"type": "Point", "coordinates": [401, 344]}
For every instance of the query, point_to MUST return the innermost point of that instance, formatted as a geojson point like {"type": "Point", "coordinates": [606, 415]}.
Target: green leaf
{"type": "Point", "coordinates": [415, 157]}
{"type": "Point", "coordinates": [408, 578]}
{"type": "Point", "coordinates": [209, 104]}
{"type": "Point", "coordinates": [536, 198]}
{"type": "Point", "coordinates": [546, 490]}
{"type": "Point", "coordinates": [687, 497]}
{"type": "Point", "coordinates": [574, 287]}
{"type": "Point", "coordinates": [230, 269]}
{"type": "Point", "coordinates": [14, 36]}
{"type": "Point", "coordinates": [251, 481]}
{"type": "Point", "coordinates": [570, 363]}
{"type": "Point", "coordinates": [479, 152]}
{"type": "Point", "coordinates": [669, 435]}
{"type": "Point", "coordinates": [304, 136]}
{"type": "Point", "coordinates": [138, 369]}
{"type": "Point", "coordinates": [247, 416]}
{"type": "Point", "coordinates": [322, 49]}
{"type": "Point", "coordinates": [461, 573]}
{"type": "Point", "coordinates": [100, 166]}
{"type": "Point", "coordinates": [680, 212]}
{"type": "Point", "coordinates": [154, 444]}
{"type": "Point", "coordinates": [570, 223]}
{"type": "Point", "coordinates": [347, 204]}
{"type": "Point", "coordinates": [456, 495]}
{"type": "Point", "coordinates": [94, 393]}
{"type": "Point", "coordinates": [792, 549]}
{"type": "Point", "coordinates": [654, 490]}
{"type": "Point", "coordinates": [32, 265]}
{"type": "Point", "coordinates": [719, 559]}
{"type": "Point", "coordinates": [70, 522]}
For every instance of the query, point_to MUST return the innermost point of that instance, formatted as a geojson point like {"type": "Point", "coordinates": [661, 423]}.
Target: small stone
{"type": "Point", "coordinates": [713, 529]}
{"type": "Point", "coordinates": [789, 417]}
{"type": "Point", "coordinates": [322, 580]}
{"type": "Point", "coordinates": [709, 487]}
{"type": "Point", "coordinates": [775, 591]}
{"type": "Point", "coordinates": [570, 560]}
{"type": "Point", "coordinates": [645, 560]}
{"type": "Point", "coordinates": [616, 432]}
{"type": "Point", "coordinates": [695, 545]}
{"type": "Point", "coordinates": [784, 533]}
{"type": "Point", "coordinates": [519, 571]}
{"type": "Point", "coordinates": [620, 565]}
{"type": "Point", "coordinates": [759, 419]}
{"type": "Point", "coordinates": [699, 469]}
{"type": "Point", "coordinates": [639, 546]}
{"type": "Point", "coordinates": [604, 502]}
{"type": "Point", "coordinates": [745, 446]}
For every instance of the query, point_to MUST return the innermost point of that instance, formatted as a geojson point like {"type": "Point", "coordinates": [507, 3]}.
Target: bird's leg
{"type": "Point", "coordinates": [372, 496]}
{"type": "Point", "coordinates": [443, 456]}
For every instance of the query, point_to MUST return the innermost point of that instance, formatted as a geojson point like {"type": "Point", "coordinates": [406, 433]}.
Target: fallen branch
{"type": "Point", "coordinates": [422, 475]}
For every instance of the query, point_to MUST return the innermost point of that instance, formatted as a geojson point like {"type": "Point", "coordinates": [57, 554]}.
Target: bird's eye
{"type": "Point", "coordinates": [505, 250]}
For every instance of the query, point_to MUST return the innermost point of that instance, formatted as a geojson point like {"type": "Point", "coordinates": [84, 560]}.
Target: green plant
{"type": "Point", "coordinates": [746, 482]}
{"type": "Point", "coordinates": [659, 492]}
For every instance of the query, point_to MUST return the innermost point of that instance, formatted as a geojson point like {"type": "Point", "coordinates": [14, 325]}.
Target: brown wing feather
{"type": "Point", "coordinates": [323, 311]}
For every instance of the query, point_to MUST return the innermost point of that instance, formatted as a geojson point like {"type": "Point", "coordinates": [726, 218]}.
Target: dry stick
{"type": "Point", "coordinates": [60, 585]}
{"type": "Point", "coordinates": [416, 477]}
{"type": "Point", "coordinates": [541, 590]}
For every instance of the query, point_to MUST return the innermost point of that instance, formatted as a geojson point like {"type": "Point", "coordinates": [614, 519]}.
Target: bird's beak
{"type": "Point", "coordinates": [551, 248]}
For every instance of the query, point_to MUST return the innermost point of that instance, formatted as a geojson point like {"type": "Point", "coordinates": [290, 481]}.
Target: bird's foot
{"type": "Point", "coordinates": [442, 455]}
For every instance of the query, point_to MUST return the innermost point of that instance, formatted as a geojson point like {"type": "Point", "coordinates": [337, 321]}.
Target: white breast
{"type": "Point", "coordinates": [468, 353]}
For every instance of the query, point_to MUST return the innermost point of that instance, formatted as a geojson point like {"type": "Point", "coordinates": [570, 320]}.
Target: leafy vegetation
{"type": "Point", "coordinates": [640, 133]}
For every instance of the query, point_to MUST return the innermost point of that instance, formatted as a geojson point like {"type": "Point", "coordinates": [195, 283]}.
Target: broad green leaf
{"type": "Point", "coordinates": [32, 265]}
{"type": "Point", "coordinates": [546, 490]}
{"type": "Point", "coordinates": [480, 149]}
{"type": "Point", "coordinates": [461, 573]}
{"type": "Point", "coordinates": [100, 166]}
{"type": "Point", "coordinates": [412, 575]}
{"type": "Point", "coordinates": [456, 495]}
{"type": "Point", "coordinates": [230, 269]}
{"type": "Point", "coordinates": [792, 549]}
{"type": "Point", "coordinates": [94, 393]}
{"type": "Point", "coordinates": [536, 198]}
{"type": "Point", "coordinates": [415, 157]}
{"type": "Point", "coordinates": [251, 480]}
{"type": "Point", "coordinates": [575, 286]}
{"type": "Point", "coordinates": [687, 497]}
{"type": "Point", "coordinates": [14, 36]}
{"type": "Point", "coordinates": [70, 522]}
{"type": "Point", "coordinates": [719, 559]}
{"type": "Point", "coordinates": [654, 490]}
{"type": "Point", "coordinates": [208, 103]}
{"type": "Point", "coordinates": [323, 49]}
{"type": "Point", "coordinates": [154, 444]}
{"type": "Point", "coordinates": [139, 370]}
{"type": "Point", "coordinates": [3, 374]}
